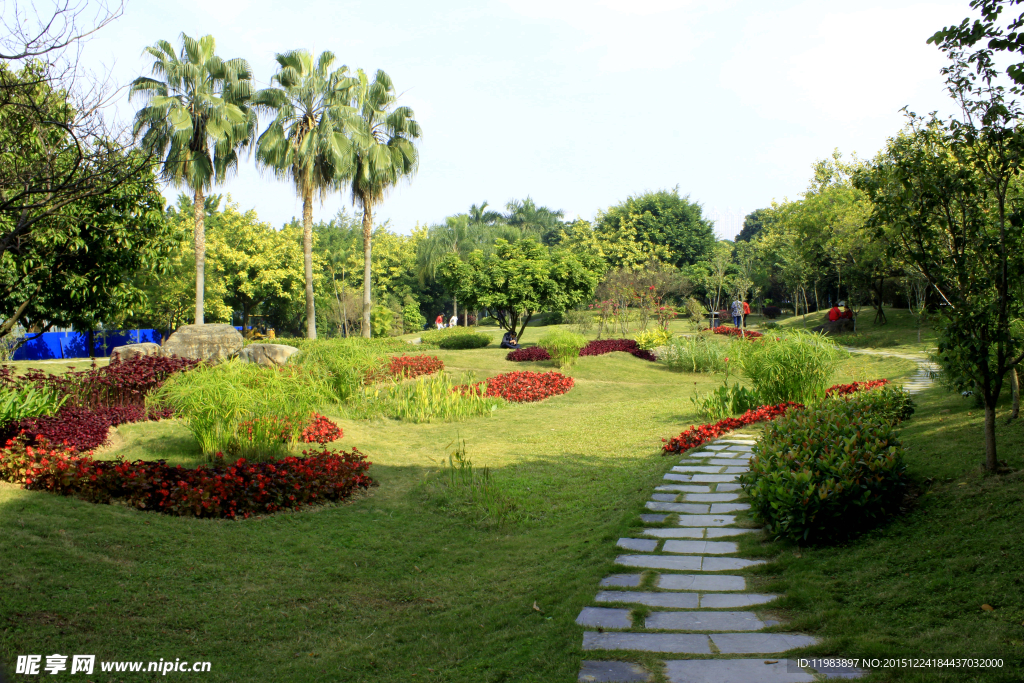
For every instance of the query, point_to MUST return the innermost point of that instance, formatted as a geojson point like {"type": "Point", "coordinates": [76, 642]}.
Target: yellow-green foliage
{"type": "Point", "coordinates": [652, 338]}
{"type": "Point", "coordinates": [437, 398]}
{"type": "Point", "coordinates": [563, 346]}
{"type": "Point", "coordinates": [792, 366]}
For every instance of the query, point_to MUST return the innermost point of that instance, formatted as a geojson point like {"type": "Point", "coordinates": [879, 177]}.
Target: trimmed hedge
{"type": "Point", "coordinates": [828, 473]}
{"type": "Point", "coordinates": [455, 338]}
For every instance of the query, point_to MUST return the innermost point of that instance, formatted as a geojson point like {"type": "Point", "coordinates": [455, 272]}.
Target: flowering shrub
{"type": "Point", "coordinates": [696, 436]}
{"type": "Point", "coordinates": [531, 354]}
{"type": "Point", "coordinates": [524, 387]}
{"type": "Point", "coordinates": [845, 389]}
{"type": "Point", "coordinates": [321, 430]}
{"type": "Point", "coordinates": [826, 473]}
{"type": "Point", "coordinates": [736, 332]}
{"type": "Point", "coordinates": [232, 490]}
{"type": "Point", "coordinates": [602, 346]}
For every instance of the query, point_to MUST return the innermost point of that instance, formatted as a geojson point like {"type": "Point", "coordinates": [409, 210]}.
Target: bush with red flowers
{"type": "Point", "coordinates": [408, 367]}
{"type": "Point", "coordinates": [530, 354]}
{"type": "Point", "coordinates": [240, 489]}
{"type": "Point", "coordinates": [599, 347]}
{"type": "Point", "coordinates": [736, 332]}
{"type": "Point", "coordinates": [525, 387]}
{"type": "Point", "coordinates": [696, 436]}
{"type": "Point", "coordinates": [846, 389]}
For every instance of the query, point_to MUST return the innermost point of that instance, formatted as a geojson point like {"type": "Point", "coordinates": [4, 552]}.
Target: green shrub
{"type": "Point", "coordinates": [581, 321]}
{"type": "Point", "coordinates": [437, 398]}
{"type": "Point", "coordinates": [724, 401]}
{"type": "Point", "coordinates": [382, 319]}
{"type": "Point", "coordinates": [652, 338]}
{"type": "Point", "coordinates": [795, 366]}
{"type": "Point", "coordinates": [893, 403]}
{"type": "Point", "coordinates": [770, 326]}
{"type": "Point", "coordinates": [240, 409]}
{"type": "Point", "coordinates": [26, 402]}
{"type": "Point", "coordinates": [412, 319]}
{"type": "Point", "coordinates": [826, 473]}
{"type": "Point", "coordinates": [455, 338]}
{"type": "Point", "coordinates": [699, 353]}
{"type": "Point", "coordinates": [563, 346]}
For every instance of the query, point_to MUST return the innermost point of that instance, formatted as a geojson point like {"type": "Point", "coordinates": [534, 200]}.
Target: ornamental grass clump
{"type": "Point", "coordinates": [343, 366]}
{"type": "Point", "coordinates": [796, 366]}
{"type": "Point", "coordinates": [827, 473]}
{"type": "Point", "coordinates": [563, 346]}
{"type": "Point", "coordinates": [699, 353]}
{"type": "Point", "coordinates": [243, 409]}
{"type": "Point", "coordinates": [438, 398]}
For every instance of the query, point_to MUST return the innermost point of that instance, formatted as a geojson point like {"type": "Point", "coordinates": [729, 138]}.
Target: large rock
{"type": "Point", "coordinates": [269, 355]}
{"type": "Point", "coordinates": [134, 350]}
{"type": "Point", "coordinates": [204, 342]}
{"type": "Point", "coordinates": [841, 326]}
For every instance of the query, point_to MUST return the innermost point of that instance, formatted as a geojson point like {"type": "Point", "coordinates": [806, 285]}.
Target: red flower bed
{"type": "Point", "coordinates": [695, 436]}
{"type": "Point", "coordinates": [414, 366]}
{"type": "Point", "coordinates": [524, 387]}
{"type": "Point", "coordinates": [321, 430]}
{"type": "Point", "coordinates": [532, 353]}
{"type": "Point", "coordinates": [846, 389]}
{"type": "Point", "coordinates": [239, 489]}
{"type": "Point", "coordinates": [736, 332]}
{"type": "Point", "coordinates": [602, 346]}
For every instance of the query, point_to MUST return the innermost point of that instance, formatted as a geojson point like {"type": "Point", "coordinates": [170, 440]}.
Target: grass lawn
{"type": "Point", "coordinates": [397, 585]}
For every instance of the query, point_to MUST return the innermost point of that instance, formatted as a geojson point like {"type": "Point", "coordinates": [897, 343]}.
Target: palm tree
{"type": "Point", "coordinates": [480, 214]}
{"type": "Point", "coordinates": [306, 142]}
{"type": "Point", "coordinates": [538, 221]}
{"type": "Point", "coordinates": [383, 151]}
{"type": "Point", "coordinates": [196, 117]}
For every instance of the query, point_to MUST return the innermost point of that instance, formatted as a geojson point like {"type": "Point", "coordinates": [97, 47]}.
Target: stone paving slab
{"type": "Point", "coordinates": [717, 508]}
{"type": "Point", "coordinates": [685, 643]}
{"type": "Point", "coordinates": [691, 508]}
{"type": "Point", "coordinates": [727, 462]}
{"type": "Point", "coordinates": [737, 442]}
{"type": "Point", "coordinates": [735, 671]}
{"type": "Point", "coordinates": [706, 520]}
{"type": "Point", "coordinates": [724, 564]}
{"type": "Point", "coordinates": [653, 519]}
{"type": "Point", "coordinates": [700, 621]}
{"type": "Point", "coordinates": [609, 617]}
{"type": "Point", "coordinates": [718, 447]}
{"type": "Point", "coordinates": [684, 488]}
{"type": "Point", "coordinates": [736, 470]}
{"type": "Point", "coordinates": [733, 600]}
{"type": "Point", "coordinates": [621, 581]}
{"type": "Point", "coordinates": [612, 672]}
{"type": "Point", "coordinates": [664, 497]}
{"type": "Point", "coordinates": [685, 532]}
{"type": "Point", "coordinates": [701, 582]}
{"type": "Point", "coordinates": [660, 562]}
{"type": "Point", "coordinates": [712, 478]}
{"type": "Point", "coordinates": [709, 497]}
{"type": "Point", "coordinates": [728, 487]}
{"type": "Point", "coordinates": [642, 544]}
{"type": "Point", "coordinates": [697, 468]}
{"type": "Point", "coordinates": [672, 476]}
{"type": "Point", "coordinates": [720, 533]}
{"type": "Point", "coordinates": [767, 643]}
{"type": "Point", "coordinates": [704, 454]}
{"type": "Point", "coordinates": [674, 600]}
{"type": "Point", "coordinates": [700, 547]}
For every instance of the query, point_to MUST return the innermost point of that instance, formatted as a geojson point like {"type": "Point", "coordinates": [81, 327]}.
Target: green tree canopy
{"type": "Point", "coordinates": [519, 279]}
{"type": "Point", "coordinates": [664, 225]}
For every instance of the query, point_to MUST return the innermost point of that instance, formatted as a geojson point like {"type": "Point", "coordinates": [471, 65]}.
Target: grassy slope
{"type": "Point", "coordinates": [390, 585]}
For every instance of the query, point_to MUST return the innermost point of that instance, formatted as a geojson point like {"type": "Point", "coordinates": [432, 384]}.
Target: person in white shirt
{"type": "Point", "coordinates": [454, 322]}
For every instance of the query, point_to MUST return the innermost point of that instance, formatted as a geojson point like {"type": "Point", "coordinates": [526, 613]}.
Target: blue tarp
{"type": "Point", "coordinates": [57, 345]}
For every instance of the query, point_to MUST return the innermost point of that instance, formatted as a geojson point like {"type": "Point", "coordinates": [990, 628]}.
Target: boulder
{"type": "Point", "coordinates": [841, 326]}
{"type": "Point", "coordinates": [269, 355]}
{"type": "Point", "coordinates": [204, 342]}
{"type": "Point", "coordinates": [135, 350]}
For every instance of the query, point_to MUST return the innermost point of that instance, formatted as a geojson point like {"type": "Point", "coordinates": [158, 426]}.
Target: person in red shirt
{"type": "Point", "coordinates": [834, 313]}
{"type": "Point", "coordinates": [847, 313]}
{"type": "Point", "coordinates": [746, 312]}
{"type": "Point", "coordinates": [440, 320]}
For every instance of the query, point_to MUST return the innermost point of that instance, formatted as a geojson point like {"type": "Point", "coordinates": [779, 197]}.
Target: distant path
{"type": "Point", "coordinates": [925, 377]}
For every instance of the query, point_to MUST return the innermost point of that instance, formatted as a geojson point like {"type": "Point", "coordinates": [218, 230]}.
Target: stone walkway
{"type": "Point", "coordinates": [925, 376]}
{"type": "Point", "coordinates": [687, 602]}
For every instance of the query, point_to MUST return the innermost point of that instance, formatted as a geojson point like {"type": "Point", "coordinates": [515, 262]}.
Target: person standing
{"type": "Point", "coordinates": [746, 312]}
{"type": "Point", "coordinates": [737, 313]}
{"type": "Point", "coordinates": [440, 321]}
{"type": "Point", "coordinates": [454, 322]}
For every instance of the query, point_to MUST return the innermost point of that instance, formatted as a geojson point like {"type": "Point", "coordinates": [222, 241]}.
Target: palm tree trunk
{"type": "Point", "coordinates": [199, 214]}
{"type": "Point", "coordinates": [307, 257]}
{"type": "Point", "coordinates": [367, 230]}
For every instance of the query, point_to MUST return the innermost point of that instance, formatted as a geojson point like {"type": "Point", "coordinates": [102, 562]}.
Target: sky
{"type": "Point", "coordinates": [582, 104]}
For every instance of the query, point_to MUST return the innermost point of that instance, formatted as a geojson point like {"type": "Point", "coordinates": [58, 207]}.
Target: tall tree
{"type": "Point", "coordinates": [306, 142]}
{"type": "Point", "coordinates": [535, 221]}
{"type": "Point", "coordinates": [196, 116]}
{"type": "Point", "coordinates": [383, 152]}
{"type": "Point", "coordinates": [666, 222]}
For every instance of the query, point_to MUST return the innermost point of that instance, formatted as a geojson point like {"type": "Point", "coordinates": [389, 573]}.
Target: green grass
{"type": "Point", "coordinates": [899, 334]}
{"type": "Point", "coordinates": [399, 581]}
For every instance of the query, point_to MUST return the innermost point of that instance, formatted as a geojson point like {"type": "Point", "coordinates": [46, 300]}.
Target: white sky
{"type": "Point", "coordinates": [581, 104]}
